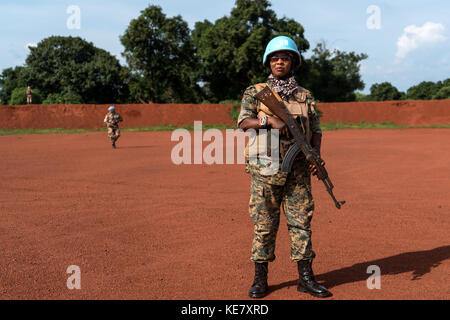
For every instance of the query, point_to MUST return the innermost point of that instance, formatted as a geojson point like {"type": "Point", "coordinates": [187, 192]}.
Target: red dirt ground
{"type": "Point", "coordinates": [140, 227]}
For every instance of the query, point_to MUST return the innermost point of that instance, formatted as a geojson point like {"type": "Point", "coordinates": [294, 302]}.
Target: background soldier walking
{"type": "Point", "coordinates": [112, 120]}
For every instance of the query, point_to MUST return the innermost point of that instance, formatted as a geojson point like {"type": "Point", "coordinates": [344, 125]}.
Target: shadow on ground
{"type": "Point", "coordinates": [417, 262]}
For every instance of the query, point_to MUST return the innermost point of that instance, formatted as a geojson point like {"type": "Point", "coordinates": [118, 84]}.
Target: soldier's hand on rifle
{"type": "Point", "coordinates": [279, 124]}
{"type": "Point", "coordinates": [313, 169]}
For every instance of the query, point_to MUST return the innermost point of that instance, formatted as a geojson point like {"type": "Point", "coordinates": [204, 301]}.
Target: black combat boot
{"type": "Point", "coordinates": [307, 283]}
{"type": "Point", "coordinates": [259, 287]}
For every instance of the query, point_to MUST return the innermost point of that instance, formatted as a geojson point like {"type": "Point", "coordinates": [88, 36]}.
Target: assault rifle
{"type": "Point", "coordinates": [276, 105]}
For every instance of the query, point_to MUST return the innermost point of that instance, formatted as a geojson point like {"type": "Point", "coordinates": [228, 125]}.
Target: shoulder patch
{"type": "Point", "coordinates": [301, 94]}
{"type": "Point", "coordinates": [307, 92]}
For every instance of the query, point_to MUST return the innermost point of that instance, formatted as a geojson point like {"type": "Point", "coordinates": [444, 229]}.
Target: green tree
{"type": "Point", "coordinates": [231, 49]}
{"type": "Point", "coordinates": [19, 96]}
{"type": "Point", "coordinates": [445, 83]}
{"type": "Point", "coordinates": [161, 58]}
{"type": "Point", "coordinates": [10, 79]}
{"type": "Point", "coordinates": [384, 91]}
{"type": "Point", "coordinates": [443, 93]}
{"type": "Point", "coordinates": [361, 97]}
{"type": "Point", "coordinates": [332, 75]}
{"type": "Point", "coordinates": [71, 64]}
{"type": "Point", "coordinates": [423, 91]}
{"type": "Point", "coordinates": [63, 98]}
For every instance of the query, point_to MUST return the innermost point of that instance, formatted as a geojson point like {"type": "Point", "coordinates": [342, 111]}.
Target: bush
{"type": "Point", "coordinates": [234, 113]}
{"type": "Point", "coordinates": [63, 98]}
{"type": "Point", "coordinates": [19, 97]}
{"type": "Point", "coordinates": [443, 93]}
{"type": "Point", "coordinates": [384, 92]}
{"type": "Point", "coordinates": [423, 91]}
{"type": "Point", "coordinates": [360, 97]}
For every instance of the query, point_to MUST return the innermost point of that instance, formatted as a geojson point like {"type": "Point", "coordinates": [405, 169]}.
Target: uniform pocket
{"type": "Point", "coordinates": [278, 179]}
{"type": "Point", "coordinates": [262, 173]}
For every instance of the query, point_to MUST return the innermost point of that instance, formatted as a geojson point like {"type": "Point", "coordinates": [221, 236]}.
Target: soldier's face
{"type": "Point", "coordinates": [280, 64]}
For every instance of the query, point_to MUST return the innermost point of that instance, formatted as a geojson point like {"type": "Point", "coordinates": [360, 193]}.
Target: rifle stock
{"type": "Point", "coordinates": [273, 101]}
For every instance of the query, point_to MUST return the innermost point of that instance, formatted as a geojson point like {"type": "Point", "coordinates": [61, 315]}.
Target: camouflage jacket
{"type": "Point", "coordinates": [112, 120]}
{"type": "Point", "coordinates": [250, 108]}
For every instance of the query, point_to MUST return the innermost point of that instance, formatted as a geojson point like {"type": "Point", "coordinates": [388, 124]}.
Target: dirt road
{"type": "Point", "coordinates": [140, 227]}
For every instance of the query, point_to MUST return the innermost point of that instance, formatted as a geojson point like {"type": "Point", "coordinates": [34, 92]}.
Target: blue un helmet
{"type": "Point", "coordinates": [112, 108]}
{"type": "Point", "coordinates": [282, 43]}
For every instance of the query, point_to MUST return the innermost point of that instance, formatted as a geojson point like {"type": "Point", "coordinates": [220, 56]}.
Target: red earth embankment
{"type": "Point", "coordinates": [411, 112]}
{"type": "Point", "coordinates": [91, 116]}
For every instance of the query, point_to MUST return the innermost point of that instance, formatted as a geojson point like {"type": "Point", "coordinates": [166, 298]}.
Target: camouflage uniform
{"type": "Point", "coordinates": [112, 121]}
{"type": "Point", "coordinates": [293, 190]}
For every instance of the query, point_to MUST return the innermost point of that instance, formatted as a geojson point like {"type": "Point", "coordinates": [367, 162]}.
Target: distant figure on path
{"type": "Point", "coordinates": [29, 95]}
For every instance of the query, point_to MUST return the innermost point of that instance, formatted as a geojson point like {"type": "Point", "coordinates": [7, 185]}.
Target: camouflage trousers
{"type": "Point", "coordinates": [298, 206]}
{"type": "Point", "coordinates": [113, 134]}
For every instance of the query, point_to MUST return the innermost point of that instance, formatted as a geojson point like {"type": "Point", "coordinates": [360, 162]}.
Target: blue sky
{"type": "Point", "coordinates": [407, 41]}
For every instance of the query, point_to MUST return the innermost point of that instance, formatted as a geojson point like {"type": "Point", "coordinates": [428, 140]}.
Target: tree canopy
{"type": "Point", "coordinates": [10, 79]}
{"type": "Point", "coordinates": [161, 58]}
{"type": "Point", "coordinates": [73, 65]}
{"type": "Point", "coordinates": [332, 75]}
{"type": "Point", "coordinates": [167, 62]}
{"type": "Point", "coordinates": [384, 91]}
{"type": "Point", "coordinates": [443, 93]}
{"type": "Point", "coordinates": [427, 90]}
{"type": "Point", "coordinates": [423, 91]}
{"type": "Point", "coordinates": [231, 49]}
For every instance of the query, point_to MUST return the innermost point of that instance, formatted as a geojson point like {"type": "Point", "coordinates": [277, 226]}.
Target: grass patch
{"type": "Point", "coordinates": [7, 132]}
{"type": "Point", "coordinates": [325, 127]}
{"type": "Point", "coordinates": [381, 125]}
{"type": "Point", "coordinates": [171, 128]}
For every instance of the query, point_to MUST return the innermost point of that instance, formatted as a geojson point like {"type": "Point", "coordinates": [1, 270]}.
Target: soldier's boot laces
{"type": "Point", "coordinates": [259, 287]}
{"type": "Point", "coordinates": [307, 283]}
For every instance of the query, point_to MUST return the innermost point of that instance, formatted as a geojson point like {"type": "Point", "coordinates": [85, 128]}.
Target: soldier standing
{"type": "Point", "coordinates": [29, 95]}
{"type": "Point", "coordinates": [291, 190]}
{"type": "Point", "coordinates": [112, 120]}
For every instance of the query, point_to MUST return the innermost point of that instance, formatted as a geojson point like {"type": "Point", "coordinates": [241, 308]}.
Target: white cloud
{"type": "Point", "coordinates": [414, 37]}
{"type": "Point", "coordinates": [28, 45]}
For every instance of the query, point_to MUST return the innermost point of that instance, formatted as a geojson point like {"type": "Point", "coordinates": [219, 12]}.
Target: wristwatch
{"type": "Point", "coordinates": [263, 122]}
